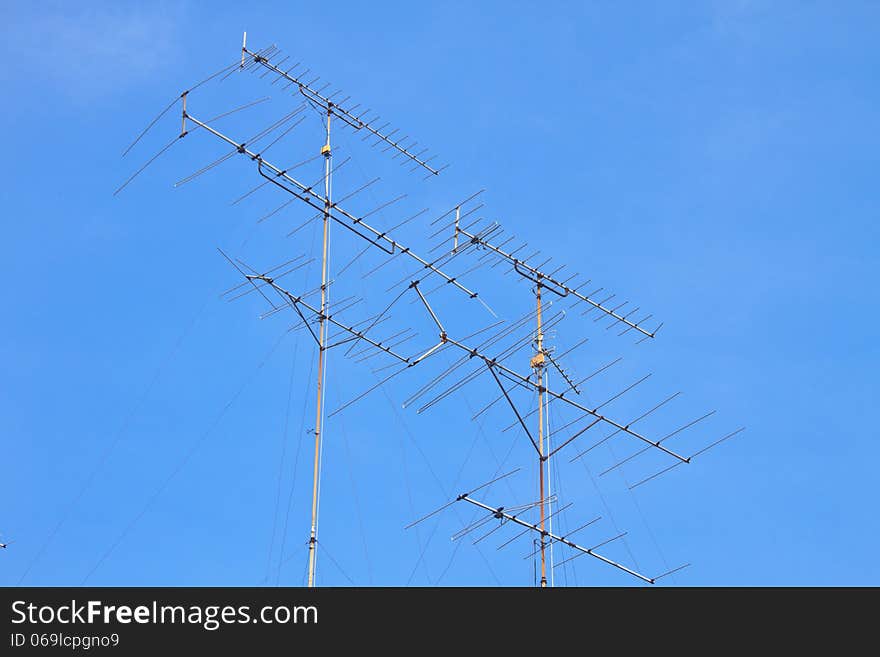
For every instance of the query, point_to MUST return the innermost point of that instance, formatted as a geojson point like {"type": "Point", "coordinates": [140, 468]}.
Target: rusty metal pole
{"type": "Point", "coordinates": [538, 365]}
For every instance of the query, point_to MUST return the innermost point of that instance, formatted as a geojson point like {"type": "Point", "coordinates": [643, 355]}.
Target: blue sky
{"type": "Point", "coordinates": [715, 162]}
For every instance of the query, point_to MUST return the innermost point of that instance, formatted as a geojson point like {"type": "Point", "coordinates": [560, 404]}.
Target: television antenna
{"type": "Point", "coordinates": [325, 321]}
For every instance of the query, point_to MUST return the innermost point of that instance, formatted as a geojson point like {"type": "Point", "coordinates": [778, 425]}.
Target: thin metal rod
{"type": "Point", "coordinates": [430, 310]}
{"type": "Point", "coordinates": [489, 533]}
{"type": "Point", "coordinates": [674, 570]}
{"type": "Point", "coordinates": [319, 415]}
{"type": "Point", "coordinates": [473, 526]}
{"type": "Point", "coordinates": [538, 367]}
{"type": "Point", "coordinates": [719, 441]}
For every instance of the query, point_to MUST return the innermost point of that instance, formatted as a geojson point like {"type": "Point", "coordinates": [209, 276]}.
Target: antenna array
{"type": "Point", "coordinates": [487, 354]}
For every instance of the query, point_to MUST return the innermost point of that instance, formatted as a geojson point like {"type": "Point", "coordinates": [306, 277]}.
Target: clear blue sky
{"type": "Point", "coordinates": [715, 162]}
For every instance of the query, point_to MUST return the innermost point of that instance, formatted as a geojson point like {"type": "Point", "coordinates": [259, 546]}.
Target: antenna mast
{"type": "Point", "coordinates": [322, 363]}
{"type": "Point", "coordinates": [537, 364]}
{"type": "Point", "coordinates": [316, 98]}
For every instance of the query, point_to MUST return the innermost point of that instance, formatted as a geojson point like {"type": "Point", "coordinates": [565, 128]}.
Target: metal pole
{"type": "Point", "coordinates": [549, 481]}
{"type": "Point", "coordinates": [538, 365]}
{"type": "Point", "coordinates": [322, 319]}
